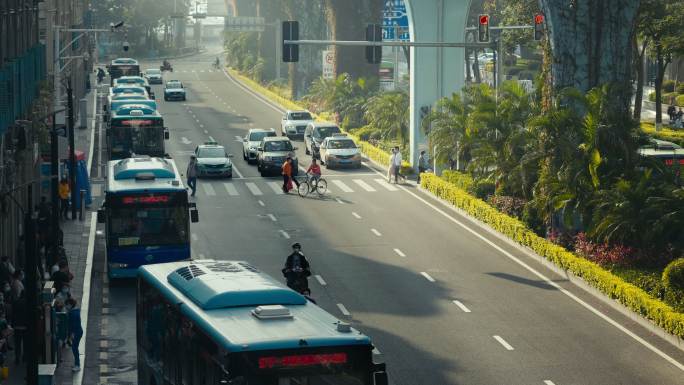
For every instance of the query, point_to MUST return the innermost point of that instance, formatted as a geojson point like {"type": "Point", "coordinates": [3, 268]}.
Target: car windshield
{"type": "Point", "coordinates": [153, 71]}
{"type": "Point", "coordinates": [300, 116]}
{"type": "Point", "coordinates": [324, 132]}
{"type": "Point", "coordinates": [216, 152]}
{"type": "Point", "coordinates": [339, 144]}
{"type": "Point", "coordinates": [259, 135]}
{"type": "Point", "coordinates": [174, 85]}
{"type": "Point", "coordinates": [279, 145]}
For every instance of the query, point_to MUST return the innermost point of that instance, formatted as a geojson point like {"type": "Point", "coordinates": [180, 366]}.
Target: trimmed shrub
{"type": "Point", "coordinates": [680, 88]}
{"type": "Point", "coordinates": [680, 100]}
{"type": "Point", "coordinates": [458, 179]}
{"type": "Point", "coordinates": [365, 132]}
{"type": "Point", "coordinates": [673, 275]}
{"type": "Point", "coordinates": [651, 97]}
{"type": "Point", "coordinates": [483, 188]}
{"type": "Point", "coordinates": [628, 294]}
{"type": "Point", "coordinates": [668, 86]}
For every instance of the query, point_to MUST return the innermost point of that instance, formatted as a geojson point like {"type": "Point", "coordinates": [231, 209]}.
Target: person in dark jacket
{"type": "Point", "coordinates": [75, 331]}
{"type": "Point", "coordinates": [296, 270]}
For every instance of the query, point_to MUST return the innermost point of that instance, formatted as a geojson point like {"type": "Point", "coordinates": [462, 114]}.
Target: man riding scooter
{"type": "Point", "coordinates": [297, 270]}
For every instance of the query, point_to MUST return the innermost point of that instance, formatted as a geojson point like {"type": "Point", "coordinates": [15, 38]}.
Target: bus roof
{"type": "Point", "coordinates": [143, 174]}
{"type": "Point", "coordinates": [124, 60]}
{"type": "Point", "coordinates": [244, 309]}
{"type": "Point", "coordinates": [134, 109]}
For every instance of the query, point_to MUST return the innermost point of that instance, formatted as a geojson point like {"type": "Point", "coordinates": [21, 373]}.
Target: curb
{"type": "Point", "coordinates": [577, 281]}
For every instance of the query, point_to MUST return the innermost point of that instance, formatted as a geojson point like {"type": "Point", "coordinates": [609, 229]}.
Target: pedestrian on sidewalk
{"type": "Point", "coordinates": [191, 174]}
{"type": "Point", "coordinates": [423, 164]}
{"type": "Point", "coordinates": [62, 276]}
{"type": "Point", "coordinates": [20, 326]}
{"type": "Point", "coordinates": [397, 165]}
{"type": "Point", "coordinates": [288, 180]}
{"type": "Point", "coordinates": [64, 193]}
{"type": "Point", "coordinates": [6, 269]}
{"type": "Point", "coordinates": [75, 331]}
{"type": "Point", "coordinates": [390, 168]}
{"type": "Point", "coordinates": [17, 285]}
{"type": "Point", "coordinates": [671, 111]}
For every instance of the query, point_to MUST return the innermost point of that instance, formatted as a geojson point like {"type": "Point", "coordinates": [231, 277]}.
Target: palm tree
{"type": "Point", "coordinates": [447, 128]}
{"type": "Point", "coordinates": [389, 112]}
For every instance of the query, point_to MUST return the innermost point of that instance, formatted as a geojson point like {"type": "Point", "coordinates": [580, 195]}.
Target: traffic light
{"type": "Point", "coordinates": [373, 52]}
{"type": "Point", "coordinates": [538, 26]}
{"type": "Point", "coordinates": [483, 29]}
{"type": "Point", "coordinates": [290, 32]}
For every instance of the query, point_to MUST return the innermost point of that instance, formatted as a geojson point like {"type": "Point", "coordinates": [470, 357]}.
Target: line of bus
{"type": "Point", "coordinates": [123, 67]}
{"type": "Point", "coordinates": [225, 322]}
{"type": "Point", "coordinates": [136, 129]}
{"type": "Point", "coordinates": [146, 214]}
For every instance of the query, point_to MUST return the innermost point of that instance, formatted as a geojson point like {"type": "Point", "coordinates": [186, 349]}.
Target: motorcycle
{"type": "Point", "coordinates": [297, 280]}
{"type": "Point", "coordinates": [166, 67]}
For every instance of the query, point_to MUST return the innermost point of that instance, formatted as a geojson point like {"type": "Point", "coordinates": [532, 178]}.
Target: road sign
{"type": "Point", "coordinates": [328, 65]}
{"type": "Point", "coordinates": [244, 24]}
{"type": "Point", "coordinates": [395, 19]}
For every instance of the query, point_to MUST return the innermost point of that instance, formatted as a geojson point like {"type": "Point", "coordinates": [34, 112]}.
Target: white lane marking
{"type": "Point", "coordinates": [548, 382]}
{"type": "Point", "coordinates": [201, 256]}
{"type": "Point", "coordinates": [197, 120]}
{"type": "Point", "coordinates": [185, 140]}
{"type": "Point", "coordinates": [238, 138]}
{"type": "Point", "coordinates": [230, 188]}
{"type": "Point", "coordinates": [211, 138]}
{"type": "Point", "coordinates": [236, 171]}
{"type": "Point", "coordinates": [343, 310]}
{"type": "Point", "coordinates": [503, 342]}
{"type": "Point", "coordinates": [253, 188]}
{"type": "Point", "coordinates": [461, 305]}
{"type": "Point", "coordinates": [273, 218]}
{"type": "Point", "coordinates": [206, 132]}
{"type": "Point", "coordinates": [376, 351]}
{"type": "Point", "coordinates": [400, 253]}
{"type": "Point", "coordinates": [342, 186]}
{"type": "Point", "coordinates": [364, 185]}
{"type": "Point", "coordinates": [276, 187]}
{"type": "Point", "coordinates": [320, 280]}
{"type": "Point", "coordinates": [194, 237]}
{"type": "Point", "coordinates": [340, 201]}
{"type": "Point", "coordinates": [546, 280]}
{"type": "Point", "coordinates": [376, 232]}
{"type": "Point", "coordinates": [85, 297]}
{"type": "Point", "coordinates": [262, 204]}
{"type": "Point", "coordinates": [285, 234]}
{"type": "Point", "coordinates": [208, 189]}
{"type": "Point", "coordinates": [357, 216]}
{"type": "Point", "coordinates": [427, 276]}
{"type": "Point", "coordinates": [201, 125]}
{"type": "Point", "coordinates": [385, 184]}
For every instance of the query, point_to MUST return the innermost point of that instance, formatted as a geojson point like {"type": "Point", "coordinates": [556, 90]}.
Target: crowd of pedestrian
{"type": "Point", "coordinates": [676, 116]}
{"type": "Point", "coordinates": [13, 322]}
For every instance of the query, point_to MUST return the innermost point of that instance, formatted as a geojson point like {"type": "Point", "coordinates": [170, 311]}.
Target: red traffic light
{"type": "Point", "coordinates": [484, 19]}
{"type": "Point", "coordinates": [538, 18]}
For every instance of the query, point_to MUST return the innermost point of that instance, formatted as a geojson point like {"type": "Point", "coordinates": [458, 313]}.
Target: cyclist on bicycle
{"type": "Point", "coordinates": [217, 63]}
{"type": "Point", "coordinates": [314, 172]}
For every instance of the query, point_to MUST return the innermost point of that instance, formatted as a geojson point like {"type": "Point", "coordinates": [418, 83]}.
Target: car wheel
{"type": "Point", "coordinates": [166, 99]}
{"type": "Point", "coordinates": [262, 173]}
{"type": "Point", "coordinates": [327, 166]}
{"type": "Point", "coordinates": [306, 149]}
{"type": "Point", "coordinates": [244, 155]}
{"type": "Point", "coordinates": [230, 176]}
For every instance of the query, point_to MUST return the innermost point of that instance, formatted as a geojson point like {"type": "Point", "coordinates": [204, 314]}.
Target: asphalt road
{"type": "Point", "coordinates": [444, 301]}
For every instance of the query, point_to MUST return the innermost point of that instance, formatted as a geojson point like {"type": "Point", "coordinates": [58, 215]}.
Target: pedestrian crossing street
{"type": "Point", "coordinates": [263, 187]}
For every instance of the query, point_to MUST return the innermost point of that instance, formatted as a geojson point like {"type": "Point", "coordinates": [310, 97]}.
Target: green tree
{"type": "Point", "coordinates": [389, 112]}
{"type": "Point", "coordinates": [447, 128]}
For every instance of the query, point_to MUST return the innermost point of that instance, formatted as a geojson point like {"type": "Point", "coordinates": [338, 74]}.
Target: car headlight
{"type": "Point", "coordinates": [252, 148]}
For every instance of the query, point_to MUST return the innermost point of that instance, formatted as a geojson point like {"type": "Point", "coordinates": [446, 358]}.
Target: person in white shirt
{"type": "Point", "coordinates": [390, 168]}
{"type": "Point", "coordinates": [396, 163]}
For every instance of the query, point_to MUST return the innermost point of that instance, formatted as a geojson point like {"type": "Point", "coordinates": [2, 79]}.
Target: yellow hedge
{"type": "Point", "coordinates": [371, 151]}
{"type": "Point", "coordinates": [664, 133]}
{"type": "Point", "coordinates": [629, 295]}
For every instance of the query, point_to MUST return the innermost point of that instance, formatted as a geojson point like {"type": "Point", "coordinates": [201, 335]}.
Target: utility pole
{"type": "Point", "coordinates": [31, 292]}
{"type": "Point", "coordinates": [54, 183]}
{"type": "Point", "coordinates": [72, 156]}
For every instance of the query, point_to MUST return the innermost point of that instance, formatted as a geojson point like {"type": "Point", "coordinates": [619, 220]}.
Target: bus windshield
{"type": "Point", "coordinates": [139, 224]}
{"type": "Point", "coordinates": [137, 136]}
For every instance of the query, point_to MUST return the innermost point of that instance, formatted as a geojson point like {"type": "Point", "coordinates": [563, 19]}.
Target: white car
{"type": "Point", "coordinates": [340, 151]}
{"type": "Point", "coordinates": [251, 142]}
{"type": "Point", "coordinates": [294, 123]}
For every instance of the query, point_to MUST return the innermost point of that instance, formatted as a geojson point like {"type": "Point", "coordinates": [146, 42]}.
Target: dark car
{"type": "Point", "coordinates": [272, 153]}
{"type": "Point", "coordinates": [314, 135]}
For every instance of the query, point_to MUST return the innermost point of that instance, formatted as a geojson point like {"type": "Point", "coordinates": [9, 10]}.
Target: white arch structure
{"type": "Point", "coordinates": [435, 72]}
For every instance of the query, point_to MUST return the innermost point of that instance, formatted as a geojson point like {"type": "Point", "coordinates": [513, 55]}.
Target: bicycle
{"type": "Point", "coordinates": [307, 185]}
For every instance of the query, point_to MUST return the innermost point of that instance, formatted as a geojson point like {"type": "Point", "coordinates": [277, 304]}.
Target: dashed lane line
{"type": "Point", "coordinates": [503, 343]}
{"type": "Point", "coordinates": [357, 216]}
{"type": "Point", "coordinates": [400, 253]}
{"type": "Point", "coordinates": [461, 305]}
{"type": "Point", "coordinates": [427, 276]}
{"type": "Point", "coordinates": [285, 234]}
{"type": "Point", "coordinates": [273, 218]}
{"type": "Point", "coordinates": [376, 232]}
{"type": "Point", "coordinates": [320, 280]}
{"type": "Point", "coordinates": [343, 310]}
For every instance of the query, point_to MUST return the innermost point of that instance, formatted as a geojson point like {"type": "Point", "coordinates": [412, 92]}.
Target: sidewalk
{"type": "Point", "coordinates": [76, 239]}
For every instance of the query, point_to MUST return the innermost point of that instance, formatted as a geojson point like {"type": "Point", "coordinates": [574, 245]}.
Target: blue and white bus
{"type": "Point", "coordinates": [225, 322]}
{"type": "Point", "coordinates": [136, 129]}
{"type": "Point", "coordinates": [146, 215]}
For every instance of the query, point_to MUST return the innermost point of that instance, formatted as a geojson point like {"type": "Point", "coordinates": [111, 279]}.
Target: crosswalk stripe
{"type": "Point", "coordinates": [208, 189]}
{"type": "Point", "coordinates": [385, 184]}
{"type": "Point", "coordinates": [342, 186]}
{"type": "Point", "coordinates": [230, 188]}
{"type": "Point", "coordinates": [276, 187]}
{"type": "Point", "coordinates": [364, 185]}
{"type": "Point", "coordinates": [253, 188]}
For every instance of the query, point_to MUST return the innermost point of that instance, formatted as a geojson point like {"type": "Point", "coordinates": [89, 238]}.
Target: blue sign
{"type": "Point", "coordinates": [395, 21]}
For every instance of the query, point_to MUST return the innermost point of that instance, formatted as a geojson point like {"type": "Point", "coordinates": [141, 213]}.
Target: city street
{"type": "Point", "coordinates": [444, 301]}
